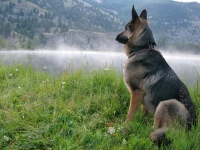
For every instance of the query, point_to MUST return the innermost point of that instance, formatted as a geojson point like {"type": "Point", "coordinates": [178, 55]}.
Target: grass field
{"type": "Point", "coordinates": [77, 110]}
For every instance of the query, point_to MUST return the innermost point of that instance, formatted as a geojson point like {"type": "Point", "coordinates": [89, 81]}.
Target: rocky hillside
{"type": "Point", "coordinates": [26, 22]}
{"type": "Point", "coordinates": [173, 23]}
{"type": "Point", "coordinates": [84, 40]}
{"type": "Point", "coordinates": [33, 24]}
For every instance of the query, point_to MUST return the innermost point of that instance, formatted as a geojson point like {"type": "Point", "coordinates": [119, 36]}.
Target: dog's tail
{"type": "Point", "coordinates": [159, 137]}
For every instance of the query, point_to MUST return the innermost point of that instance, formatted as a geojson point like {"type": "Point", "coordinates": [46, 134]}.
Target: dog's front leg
{"type": "Point", "coordinates": [136, 97]}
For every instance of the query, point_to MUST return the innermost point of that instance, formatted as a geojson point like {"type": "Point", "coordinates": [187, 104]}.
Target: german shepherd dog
{"type": "Point", "coordinates": [152, 82]}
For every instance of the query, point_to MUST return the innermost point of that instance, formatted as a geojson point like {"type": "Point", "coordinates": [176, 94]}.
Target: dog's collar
{"type": "Point", "coordinates": [142, 49]}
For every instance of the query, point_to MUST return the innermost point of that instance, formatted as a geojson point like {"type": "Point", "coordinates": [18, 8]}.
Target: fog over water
{"type": "Point", "coordinates": [55, 62]}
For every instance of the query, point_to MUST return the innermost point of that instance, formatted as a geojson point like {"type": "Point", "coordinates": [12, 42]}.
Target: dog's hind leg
{"type": "Point", "coordinates": [161, 116]}
{"type": "Point", "coordinates": [168, 112]}
{"type": "Point", "coordinates": [161, 123]}
{"type": "Point", "coordinates": [136, 97]}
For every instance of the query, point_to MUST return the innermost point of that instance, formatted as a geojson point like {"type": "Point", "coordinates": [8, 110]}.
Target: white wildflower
{"type": "Point", "coordinates": [11, 75]}
{"type": "Point", "coordinates": [69, 111]}
{"type": "Point", "coordinates": [45, 67]}
{"type": "Point", "coordinates": [111, 130]}
{"type": "Point", "coordinates": [19, 87]}
{"type": "Point", "coordinates": [85, 128]}
{"type": "Point", "coordinates": [63, 83]}
{"type": "Point", "coordinates": [6, 138]}
{"type": "Point", "coordinates": [106, 69]}
{"type": "Point", "coordinates": [114, 112]}
{"type": "Point", "coordinates": [17, 69]}
{"type": "Point", "coordinates": [124, 141]}
{"type": "Point", "coordinates": [71, 122]}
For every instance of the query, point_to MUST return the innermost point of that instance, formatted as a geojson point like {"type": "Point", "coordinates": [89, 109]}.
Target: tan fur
{"type": "Point", "coordinates": [136, 95]}
{"type": "Point", "coordinates": [169, 112]}
{"type": "Point", "coordinates": [159, 136]}
{"type": "Point", "coordinates": [146, 74]}
{"type": "Point", "coordinates": [139, 26]}
{"type": "Point", "coordinates": [136, 98]}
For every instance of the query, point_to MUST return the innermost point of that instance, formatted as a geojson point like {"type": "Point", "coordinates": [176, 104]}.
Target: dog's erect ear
{"type": "Point", "coordinates": [134, 14]}
{"type": "Point", "coordinates": [143, 14]}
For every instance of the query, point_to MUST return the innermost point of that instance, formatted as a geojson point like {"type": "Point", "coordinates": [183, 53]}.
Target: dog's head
{"type": "Point", "coordinates": [137, 32]}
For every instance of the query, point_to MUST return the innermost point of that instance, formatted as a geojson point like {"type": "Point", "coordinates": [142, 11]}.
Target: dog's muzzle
{"type": "Point", "coordinates": [121, 39]}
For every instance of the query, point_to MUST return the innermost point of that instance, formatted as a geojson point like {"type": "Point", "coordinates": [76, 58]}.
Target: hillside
{"type": "Point", "coordinates": [173, 23]}
{"type": "Point", "coordinates": [27, 22]}
{"type": "Point", "coordinates": [33, 24]}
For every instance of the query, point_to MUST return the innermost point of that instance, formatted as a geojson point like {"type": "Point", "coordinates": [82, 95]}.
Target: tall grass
{"type": "Point", "coordinates": [82, 109]}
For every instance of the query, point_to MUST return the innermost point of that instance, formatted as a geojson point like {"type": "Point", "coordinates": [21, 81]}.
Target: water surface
{"type": "Point", "coordinates": [186, 67]}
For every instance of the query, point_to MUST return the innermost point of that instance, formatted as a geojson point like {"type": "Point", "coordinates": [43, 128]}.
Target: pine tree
{"type": "Point", "coordinates": [7, 30]}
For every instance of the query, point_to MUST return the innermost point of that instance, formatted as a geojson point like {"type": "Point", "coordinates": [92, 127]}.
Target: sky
{"type": "Point", "coordinates": [188, 1]}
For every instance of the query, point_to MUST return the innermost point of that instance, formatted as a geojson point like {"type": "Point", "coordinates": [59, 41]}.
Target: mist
{"type": "Point", "coordinates": [55, 62]}
{"type": "Point", "coordinates": [63, 59]}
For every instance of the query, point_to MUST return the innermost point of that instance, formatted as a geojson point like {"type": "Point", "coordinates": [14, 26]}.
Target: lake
{"type": "Point", "coordinates": [187, 67]}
